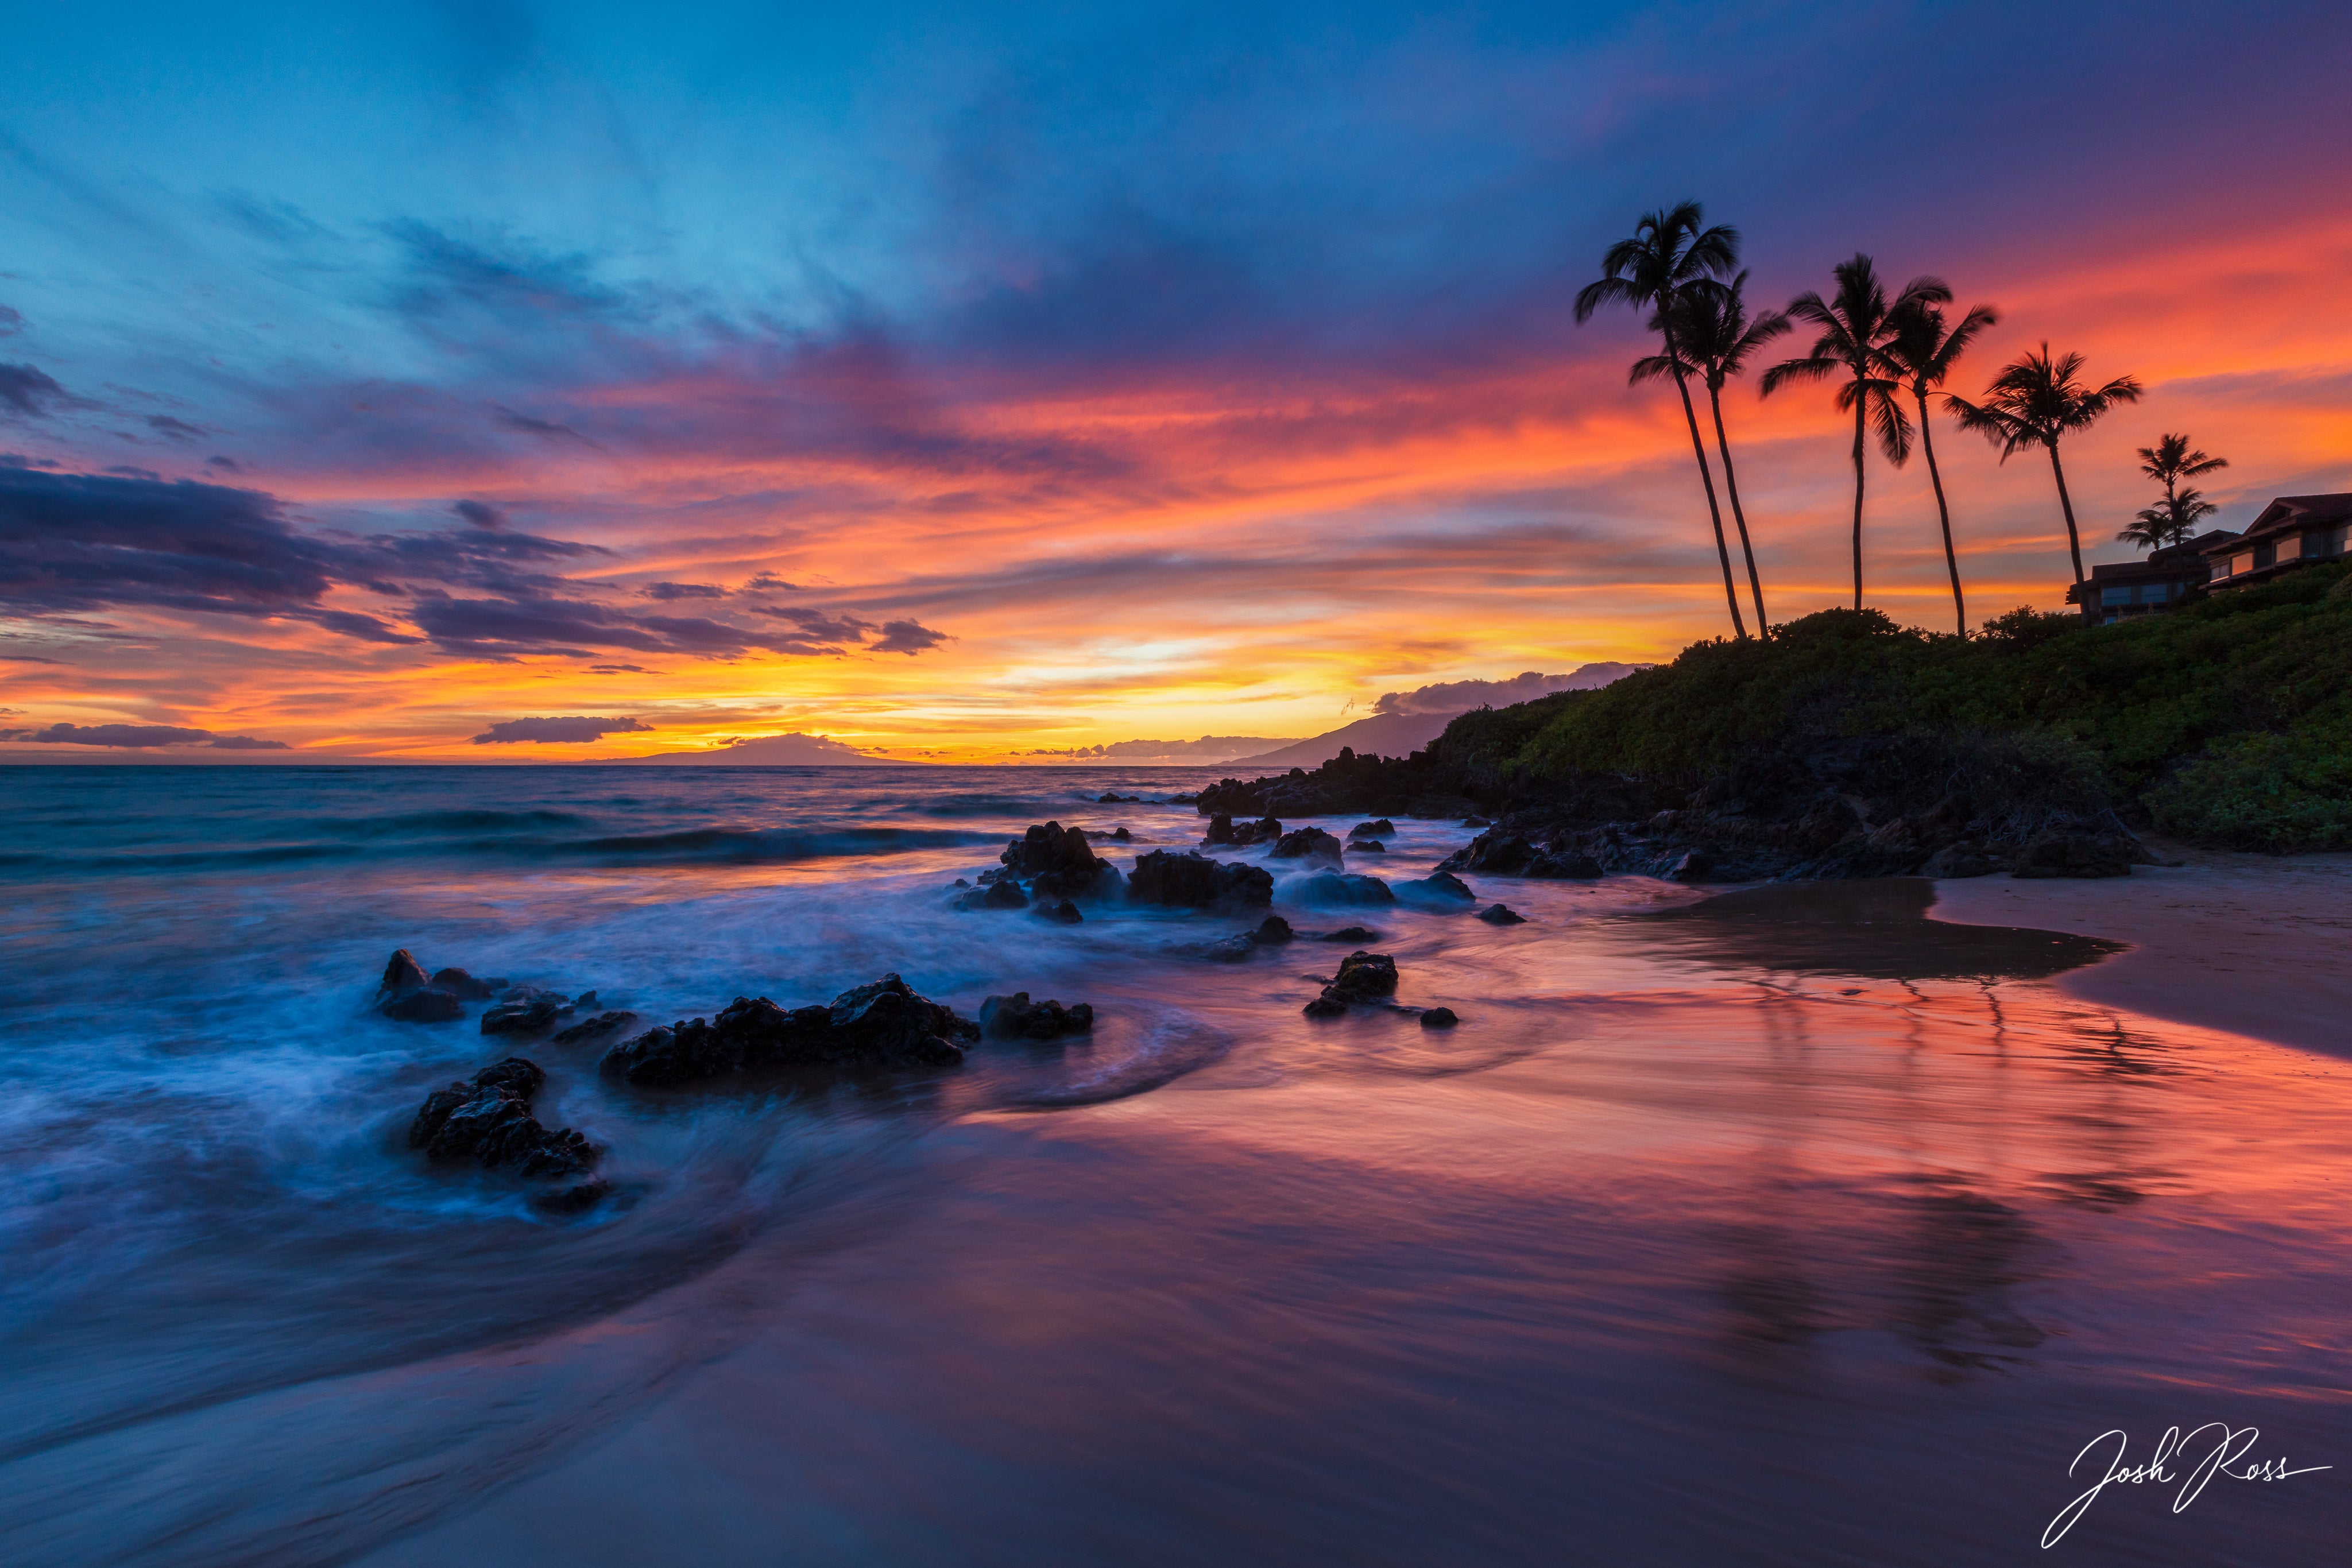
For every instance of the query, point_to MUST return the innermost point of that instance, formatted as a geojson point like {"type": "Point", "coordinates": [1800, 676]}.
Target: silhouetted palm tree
{"type": "Point", "coordinates": [1667, 252]}
{"type": "Point", "coordinates": [2168, 462]}
{"type": "Point", "coordinates": [1924, 350]}
{"type": "Point", "coordinates": [1717, 338]}
{"type": "Point", "coordinates": [1856, 324]}
{"type": "Point", "coordinates": [2035, 402]}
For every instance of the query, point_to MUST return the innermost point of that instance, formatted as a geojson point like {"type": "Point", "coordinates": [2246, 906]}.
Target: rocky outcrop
{"type": "Point", "coordinates": [1341, 889]}
{"type": "Point", "coordinates": [1312, 845]}
{"type": "Point", "coordinates": [1379, 828]}
{"type": "Point", "coordinates": [532, 1012]}
{"type": "Point", "coordinates": [1062, 914]}
{"type": "Point", "coordinates": [1193, 881]}
{"type": "Point", "coordinates": [1055, 862]}
{"type": "Point", "coordinates": [1274, 931]}
{"type": "Point", "coordinates": [1350, 933]}
{"type": "Point", "coordinates": [1363, 977]}
{"type": "Point", "coordinates": [1438, 1017]}
{"type": "Point", "coordinates": [1017, 1017]}
{"type": "Point", "coordinates": [2074, 854]}
{"type": "Point", "coordinates": [1498, 853]}
{"type": "Point", "coordinates": [1002, 893]}
{"type": "Point", "coordinates": [596, 1027]}
{"type": "Point", "coordinates": [1501, 915]}
{"type": "Point", "coordinates": [407, 995]}
{"type": "Point", "coordinates": [884, 1025]}
{"type": "Point", "coordinates": [488, 1121]}
{"type": "Point", "coordinates": [1223, 832]}
{"type": "Point", "coordinates": [1439, 889]}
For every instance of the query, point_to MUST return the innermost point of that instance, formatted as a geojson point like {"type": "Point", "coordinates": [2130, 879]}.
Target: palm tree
{"type": "Point", "coordinates": [2170, 522]}
{"type": "Point", "coordinates": [1716, 338]}
{"type": "Point", "coordinates": [2035, 402]}
{"type": "Point", "coordinates": [1924, 350]}
{"type": "Point", "coordinates": [2168, 462]}
{"type": "Point", "coordinates": [1856, 325]}
{"type": "Point", "coordinates": [1667, 252]}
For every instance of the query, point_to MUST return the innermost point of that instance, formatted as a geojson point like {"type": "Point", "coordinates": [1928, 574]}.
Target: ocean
{"type": "Point", "coordinates": [1782, 1225]}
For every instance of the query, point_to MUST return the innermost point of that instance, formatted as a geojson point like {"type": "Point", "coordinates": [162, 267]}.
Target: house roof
{"type": "Point", "coordinates": [2291, 512]}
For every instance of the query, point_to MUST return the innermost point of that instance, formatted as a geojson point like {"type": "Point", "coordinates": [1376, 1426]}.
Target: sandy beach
{"type": "Point", "coordinates": [2259, 945]}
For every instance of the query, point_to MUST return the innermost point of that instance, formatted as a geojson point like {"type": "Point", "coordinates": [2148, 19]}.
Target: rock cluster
{"type": "Point", "coordinates": [1272, 931]}
{"type": "Point", "coordinates": [1363, 977]}
{"type": "Point", "coordinates": [1342, 888]}
{"type": "Point", "coordinates": [886, 1024]}
{"type": "Point", "coordinates": [1310, 845]}
{"type": "Point", "coordinates": [1193, 881]}
{"type": "Point", "coordinates": [1052, 861]}
{"type": "Point", "coordinates": [1496, 852]}
{"type": "Point", "coordinates": [1224, 831]}
{"type": "Point", "coordinates": [1017, 1017]}
{"type": "Point", "coordinates": [488, 1121]}
{"type": "Point", "coordinates": [408, 995]}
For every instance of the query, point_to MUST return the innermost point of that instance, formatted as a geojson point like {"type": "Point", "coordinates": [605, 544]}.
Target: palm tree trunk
{"type": "Point", "coordinates": [2073, 541]}
{"type": "Point", "coordinates": [1731, 488]}
{"type": "Point", "coordinates": [1706, 477]}
{"type": "Point", "coordinates": [1861, 405]}
{"type": "Point", "coordinates": [1928, 444]}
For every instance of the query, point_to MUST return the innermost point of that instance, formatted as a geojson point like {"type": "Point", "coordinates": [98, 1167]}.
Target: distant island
{"type": "Point", "coordinates": [794, 750]}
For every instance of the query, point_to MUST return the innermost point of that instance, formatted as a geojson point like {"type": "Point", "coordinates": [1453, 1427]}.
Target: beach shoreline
{"type": "Point", "coordinates": [2248, 945]}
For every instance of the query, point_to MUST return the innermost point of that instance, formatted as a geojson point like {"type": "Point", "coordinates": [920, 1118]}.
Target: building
{"type": "Point", "coordinates": [2292, 530]}
{"type": "Point", "coordinates": [2121, 590]}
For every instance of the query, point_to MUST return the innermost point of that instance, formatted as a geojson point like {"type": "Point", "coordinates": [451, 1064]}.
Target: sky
{"type": "Point", "coordinates": [987, 383]}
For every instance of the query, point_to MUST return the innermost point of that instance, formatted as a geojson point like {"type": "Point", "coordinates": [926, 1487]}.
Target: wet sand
{"type": "Point", "coordinates": [2250, 945]}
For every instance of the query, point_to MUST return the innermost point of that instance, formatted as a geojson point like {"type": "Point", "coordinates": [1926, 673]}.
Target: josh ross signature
{"type": "Point", "coordinates": [2214, 1449]}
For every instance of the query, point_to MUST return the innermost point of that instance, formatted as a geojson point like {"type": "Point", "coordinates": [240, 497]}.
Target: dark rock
{"type": "Point", "coordinates": [1183, 800]}
{"type": "Point", "coordinates": [1309, 844]}
{"type": "Point", "coordinates": [1272, 931]}
{"type": "Point", "coordinates": [1494, 852]}
{"type": "Point", "coordinates": [403, 973]}
{"type": "Point", "coordinates": [1692, 865]}
{"type": "Point", "coordinates": [1017, 1017]}
{"type": "Point", "coordinates": [1062, 914]}
{"type": "Point", "coordinates": [1364, 977]}
{"type": "Point", "coordinates": [1501, 915]}
{"type": "Point", "coordinates": [1477, 822]}
{"type": "Point", "coordinates": [1193, 881]}
{"type": "Point", "coordinates": [1439, 1018]}
{"type": "Point", "coordinates": [422, 1007]}
{"type": "Point", "coordinates": [1121, 836]}
{"type": "Point", "coordinates": [488, 1121]}
{"type": "Point", "coordinates": [458, 983]}
{"type": "Point", "coordinates": [1352, 934]}
{"type": "Point", "coordinates": [1966, 858]}
{"type": "Point", "coordinates": [2074, 854]}
{"type": "Point", "coordinates": [1002, 894]}
{"type": "Point", "coordinates": [1221, 829]}
{"type": "Point", "coordinates": [1440, 886]}
{"type": "Point", "coordinates": [1054, 861]}
{"type": "Point", "coordinates": [886, 1024]}
{"type": "Point", "coordinates": [1116, 799]}
{"type": "Point", "coordinates": [1265, 830]}
{"type": "Point", "coordinates": [577, 1199]}
{"type": "Point", "coordinates": [1379, 828]}
{"type": "Point", "coordinates": [1324, 1007]}
{"type": "Point", "coordinates": [1233, 949]}
{"type": "Point", "coordinates": [1368, 846]}
{"type": "Point", "coordinates": [1565, 865]}
{"type": "Point", "coordinates": [534, 1014]}
{"type": "Point", "coordinates": [1331, 887]}
{"type": "Point", "coordinates": [596, 1027]}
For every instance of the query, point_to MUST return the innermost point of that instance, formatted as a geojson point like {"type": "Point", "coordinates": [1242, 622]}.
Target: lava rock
{"type": "Point", "coordinates": [890, 1023]}
{"type": "Point", "coordinates": [532, 1014]}
{"type": "Point", "coordinates": [1116, 799]}
{"type": "Point", "coordinates": [403, 973]}
{"type": "Point", "coordinates": [1379, 828]}
{"type": "Point", "coordinates": [458, 983]}
{"type": "Point", "coordinates": [1501, 915]}
{"type": "Point", "coordinates": [883, 1025]}
{"type": "Point", "coordinates": [1224, 831]}
{"type": "Point", "coordinates": [1309, 844]}
{"type": "Point", "coordinates": [1331, 887]}
{"type": "Point", "coordinates": [596, 1027]}
{"type": "Point", "coordinates": [1494, 852]}
{"type": "Point", "coordinates": [1368, 846]}
{"type": "Point", "coordinates": [1438, 887]}
{"type": "Point", "coordinates": [1193, 881]}
{"type": "Point", "coordinates": [1002, 893]}
{"type": "Point", "coordinates": [2076, 855]}
{"type": "Point", "coordinates": [488, 1121]}
{"type": "Point", "coordinates": [1054, 861]}
{"type": "Point", "coordinates": [1273, 931]}
{"type": "Point", "coordinates": [1017, 1017]}
{"type": "Point", "coordinates": [1324, 1007]}
{"type": "Point", "coordinates": [1565, 865]}
{"type": "Point", "coordinates": [1350, 933]}
{"type": "Point", "coordinates": [425, 1006]}
{"type": "Point", "coordinates": [1960, 860]}
{"type": "Point", "coordinates": [1062, 914]}
{"type": "Point", "coordinates": [1365, 977]}
{"type": "Point", "coordinates": [577, 1199]}
{"type": "Point", "coordinates": [1439, 1018]}
{"type": "Point", "coordinates": [1121, 836]}
{"type": "Point", "coordinates": [1692, 865]}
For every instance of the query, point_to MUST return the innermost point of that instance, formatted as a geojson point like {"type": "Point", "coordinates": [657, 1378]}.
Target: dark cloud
{"type": "Point", "coordinates": [669, 591]}
{"type": "Point", "coordinates": [28, 659]}
{"type": "Point", "coordinates": [512, 731]}
{"type": "Point", "coordinates": [481, 514]}
{"type": "Point", "coordinates": [246, 743]}
{"type": "Point", "coordinates": [505, 628]}
{"type": "Point", "coordinates": [615, 670]}
{"type": "Point", "coordinates": [11, 323]}
{"type": "Point", "coordinates": [907, 637]}
{"type": "Point", "coordinates": [133, 736]}
{"type": "Point", "coordinates": [547, 430]}
{"type": "Point", "coordinates": [367, 628]}
{"type": "Point", "coordinates": [226, 465]}
{"type": "Point", "coordinates": [175, 429]}
{"type": "Point", "coordinates": [818, 623]}
{"type": "Point", "coordinates": [29, 391]}
{"type": "Point", "coordinates": [769, 583]}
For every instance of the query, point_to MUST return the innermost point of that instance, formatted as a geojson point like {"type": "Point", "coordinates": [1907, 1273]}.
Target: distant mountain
{"type": "Point", "coordinates": [1404, 722]}
{"type": "Point", "coordinates": [1210, 750]}
{"type": "Point", "coordinates": [773, 751]}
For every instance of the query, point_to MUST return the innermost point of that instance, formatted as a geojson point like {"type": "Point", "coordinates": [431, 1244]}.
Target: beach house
{"type": "Point", "coordinates": [2291, 531]}
{"type": "Point", "coordinates": [2121, 590]}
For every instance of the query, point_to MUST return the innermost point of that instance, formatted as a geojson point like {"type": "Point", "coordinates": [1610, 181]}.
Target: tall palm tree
{"type": "Point", "coordinates": [1667, 252]}
{"type": "Point", "coordinates": [1717, 338]}
{"type": "Point", "coordinates": [2035, 402]}
{"type": "Point", "coordinates": [1856, 325]}
{"type": "Point", "coordinates": [1924, 350]}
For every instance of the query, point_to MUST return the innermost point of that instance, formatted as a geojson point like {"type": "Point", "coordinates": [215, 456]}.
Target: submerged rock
{"type": "Point", "coordinates": [886, 1024]}
{"type": "Point", "coordinates": [488, 1121]}
{"type": "Point", "coordinates": [1363, 977]}
{"type": "Point", "coordinates": [406, 996]}
{"type": "Point", "coordinates": [425, 1006]}
{"type": "Point", "coordinates": [1440, 887]}
{"type": "Point", "coordinates": [1002, 894]}
{"type": "Point", "coordinates": [458, 983]}
{"type": "Point", "coordinates": [1193, 881]}
{"type": "Point", "coordinates": [1350, 933]}
{"type": "Point", "coordinates": [596, 1027]}
{"type": "Point", "coordinates": [1332, 887]}
{"type": "Point", "coordinates": [403, 973]}
{"type": "Point", "coordinates": [1438, 1017]}
{"type": "Point", "coordinates": [1501, 915]}
{"type": "Point", "coordinates": [1017, 1017]}
{"type": "Point", "coordinates": [1273, 930]}
{"type": "Point", "coordinates": [1378, 828]}
{"type": "Point", "coordinates": [1368, 846]}
{"type": "Point", "coordinates": [534, 1013]}
{"type": "Point", "coordinates": [1565, 866]}
{"type": "Point", "coordinates": [1054, 861]}
{"type": "Point", "coordinates": [1062, 914]}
